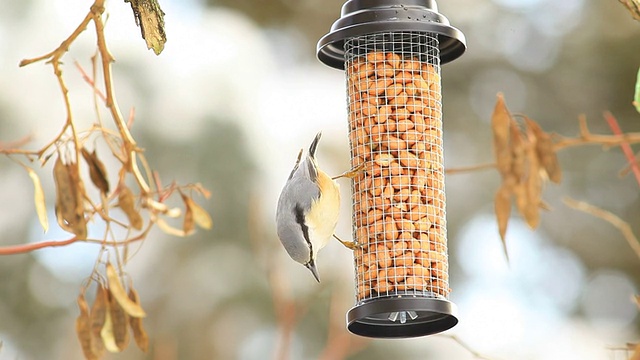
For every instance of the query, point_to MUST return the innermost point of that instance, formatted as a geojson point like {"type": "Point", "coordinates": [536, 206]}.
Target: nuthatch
{"type": "Point", "coordinates": [308, 210]}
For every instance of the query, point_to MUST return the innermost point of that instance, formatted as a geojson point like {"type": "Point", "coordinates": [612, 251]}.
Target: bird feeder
{"type": "Point", "coordinates": [391, 51]}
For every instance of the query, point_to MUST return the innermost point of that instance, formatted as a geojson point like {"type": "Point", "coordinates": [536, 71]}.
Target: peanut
{"type": "Point", "coordinates": [395, 123]}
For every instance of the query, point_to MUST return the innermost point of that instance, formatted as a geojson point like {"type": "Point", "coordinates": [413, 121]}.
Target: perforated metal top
{"type": "Point", "coordinates": [363, 17]}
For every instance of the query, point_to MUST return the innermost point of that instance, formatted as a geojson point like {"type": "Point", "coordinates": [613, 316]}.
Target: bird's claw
{"type": "Point", "coordinates": [351, 245]}
{"type": "Point", "coordinates": [351, 173]}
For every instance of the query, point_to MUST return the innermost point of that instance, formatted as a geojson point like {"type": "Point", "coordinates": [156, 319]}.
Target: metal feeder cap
{"type": "Point", "coordinates": [363, 17]}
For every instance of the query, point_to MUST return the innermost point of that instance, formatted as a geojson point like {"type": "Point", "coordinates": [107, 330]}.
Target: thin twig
{"type": "Point", "coordinates": [626, 148]}
{"type": "Point", "coordinates": [471, 168]}
{"type": "Point", "coordinates": [465, 346]}
{"type": "Point", "coordinates": [609, 217]}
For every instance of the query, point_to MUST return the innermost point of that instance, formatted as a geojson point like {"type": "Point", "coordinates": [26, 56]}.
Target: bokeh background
{"type": "Point", "coordinates": [233, 97]}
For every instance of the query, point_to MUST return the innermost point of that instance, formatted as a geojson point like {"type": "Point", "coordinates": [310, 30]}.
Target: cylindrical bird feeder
{"type": "Point", "coordinates": [392, 51]}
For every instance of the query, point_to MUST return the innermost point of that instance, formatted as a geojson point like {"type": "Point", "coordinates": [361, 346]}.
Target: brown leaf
{"type": "Point", "coordinates": [69, 198]}
{"type": "Point", "coordinates": [139, 334]}
{"type": "Point", "coordinates": [83, 329]}
{"type": "Point", "coordinates": [126, 201]}
{"type": "Point", "coordinates": [97, 171]}
{"type": "Point", "coordinates": [195, 213]}
{"type": "Point", "coordinates": [517, 148]}
{"type": "Point", "coordinates": [534, 184]}
{"type": "Point", "coordinates": [118, 292]}
{"type": "Point", "coordinates": [99, 311]}
{"type": "Point", "coordinates": [546, 154]}
{"type": "Point", "coordinates": [503, 211]}
{"type": "Point", "coordinates": [637, 300]}
{"type": "Point", "coordinates": [119, 322]}
{"type": "Point", "coordinates": [500, 121]}
{"type": "Point", "coordinates": [189, 224]}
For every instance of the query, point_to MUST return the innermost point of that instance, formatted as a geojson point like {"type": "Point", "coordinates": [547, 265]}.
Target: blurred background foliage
{"type": "Point", "coordinates": [228, 104]}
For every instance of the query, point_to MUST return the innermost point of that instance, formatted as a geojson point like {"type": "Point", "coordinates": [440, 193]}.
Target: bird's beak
{"type": "Point", "coordinates": [311, 265]}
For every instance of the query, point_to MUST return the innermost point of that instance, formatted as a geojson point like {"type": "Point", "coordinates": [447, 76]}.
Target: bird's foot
{"type": "Point", "coordinates": [351, 173]}
{"type": "Point", "coordinates": [351, 245]}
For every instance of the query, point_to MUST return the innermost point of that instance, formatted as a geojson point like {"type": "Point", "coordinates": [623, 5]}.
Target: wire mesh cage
{"type": "Point", "coordinates": [392, 60]}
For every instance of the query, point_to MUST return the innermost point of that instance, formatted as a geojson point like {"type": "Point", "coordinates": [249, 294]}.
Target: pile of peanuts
{"type": "Point", "coordinates": [396, 139]}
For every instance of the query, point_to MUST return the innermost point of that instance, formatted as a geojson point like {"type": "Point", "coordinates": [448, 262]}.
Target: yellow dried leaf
{"type": "Point", "coordinates": [500, 122]}
{"type": "Point", "coordinates": [99, 311]}
{"type": "Point", "coordinates": [69, 198]}
{"type": "Point", "coordinates": [38, 197]}
{"type": "Point", "coordinates": [200, 215]}
{"type": "Point", "coordinates": [108, 338]}
{"type": "Point", "coordinates": [119, 322]}
{"type": "Point", "coordinates": [503, 212]}
{"type": "Point", "coordinates": [546, 154]}
{"type": "Point", "coordinates": [97, 171]}
{"type": "Point", "coordinates": [517, 148]}
{"type": "Point", "coordinates": [139, 334]}
{"type": "Point", "coordinates": [534, 185]}
{"type": "Point", "coordinates": [126, 201]}
{"type": "Point", "coordinates": [189, 224]}
{"type": "Point", "coordinates": [194, 214]}
{"type": "Point", "coordinates": [83, 329]}
{"type": "Point", "coordinates": [168, 229]}
{"type": "Point", "coordinates": [118, 292]}
{"type": "Point", "coordinates": [636, 353]}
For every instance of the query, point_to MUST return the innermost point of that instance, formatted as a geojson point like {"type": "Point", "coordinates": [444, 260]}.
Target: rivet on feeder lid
{"type": "Point", "coordinates": [392, 52]}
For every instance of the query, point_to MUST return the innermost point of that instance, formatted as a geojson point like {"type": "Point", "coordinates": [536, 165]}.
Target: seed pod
{"type": "Point", "coordinates": [97, 170]}
{"type": "Point", "coordinates": [99, 311]}
{"type": "Point", "coordinates": [69, 198]}
{"type": "Point", "coordinates": [83, 329]}
{"type": "Point", "coordinates": [139, 334]}
{"type": "Point", "coordinates": [126, 201]}
{"type": "Point", "coordinates": [119, 322]}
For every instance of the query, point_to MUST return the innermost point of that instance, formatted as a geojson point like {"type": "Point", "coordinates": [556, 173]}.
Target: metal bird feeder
{"type": "Point", "coordinates": [392, 51]}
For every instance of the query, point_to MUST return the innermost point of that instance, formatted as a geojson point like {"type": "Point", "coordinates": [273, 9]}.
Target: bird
{"type": "Point", "coordinates": [308, 209]}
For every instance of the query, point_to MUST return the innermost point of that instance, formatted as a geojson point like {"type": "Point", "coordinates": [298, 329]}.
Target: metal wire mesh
{"type": "Point", "coordinates": [395, 132]}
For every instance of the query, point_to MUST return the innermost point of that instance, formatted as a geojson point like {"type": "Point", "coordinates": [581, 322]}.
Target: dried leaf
{"type": "Point", "coordinates": [126, 201]}
{"type": "Point", "coordinates": [99, 311]}
{"type": "Point", "coordinates": [636, 353]}
{"type": "Point", "coordinates": [194, 213]}
{"type": "Point", "coordinates": [69, 198]}
{"type": "Point", "coordinates": [139, 334]}
{"type": "Point", "coordinates": [546, 154]}
{"type": "Point", "coordinates": [150, 18]}
{"type": "Point", "coordinates": [108, 338]}
{"type": "Point", "coordinates": [503, 211]}
{"type": "Point", "coordinates": [83, 329]}
{"type": "Point", "coordinates": [189, 224]}
{"type": "Point", "coordinates": [637, 300]}
{"type": "Point", "coordinates": [633, 6]}
{"type": "Point", "coordinates": [500, 122]}
{"type": "Point", "coordinates": [97, 171]}
{"type": "Point", "coordinates": [119, 322]}
{"type": "Point", "coordinates": [534, 184]}
{"type": "Point", "coordinates": [168, 229]}
{"type": "Point", "coordinates": [38, 197]}
{"type": "Point", "coordinates": [117, 290]}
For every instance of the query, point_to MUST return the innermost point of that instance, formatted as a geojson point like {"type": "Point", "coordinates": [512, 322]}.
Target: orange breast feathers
{"type": "Point", "coordinates": [323, 215]}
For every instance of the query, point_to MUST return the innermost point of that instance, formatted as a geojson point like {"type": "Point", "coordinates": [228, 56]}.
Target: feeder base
{"type": "Point", "coordinates": [401, 317]}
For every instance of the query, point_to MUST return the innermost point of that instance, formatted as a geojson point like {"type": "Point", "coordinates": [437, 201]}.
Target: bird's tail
{"type": "Point", "coordinates": [314, 145]}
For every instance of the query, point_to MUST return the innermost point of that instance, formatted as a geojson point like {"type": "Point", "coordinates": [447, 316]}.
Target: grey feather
{"type": "Point", "coordinates": [300, 191]}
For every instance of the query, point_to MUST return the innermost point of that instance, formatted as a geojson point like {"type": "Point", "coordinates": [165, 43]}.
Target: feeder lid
{"type": "Point", "coordinates": [401, 317]}
{"type": "Point", "coordinates": [362, 17]}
